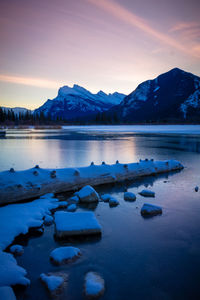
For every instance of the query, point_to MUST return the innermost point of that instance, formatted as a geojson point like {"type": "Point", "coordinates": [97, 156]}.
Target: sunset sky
{"type": "Point", "coordinates": [109, 45]}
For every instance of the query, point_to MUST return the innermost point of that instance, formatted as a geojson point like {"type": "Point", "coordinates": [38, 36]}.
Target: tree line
{"type": "Point", "coordinates": [9, 117]}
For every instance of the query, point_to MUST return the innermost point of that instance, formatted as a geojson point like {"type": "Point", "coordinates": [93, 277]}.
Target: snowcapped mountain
{"type": "Point", "coordinates": [74, 102]}
{"type": "Point", "coordinates": [174, 95]}
{"type": "Point", "coordinates": [16, 110]}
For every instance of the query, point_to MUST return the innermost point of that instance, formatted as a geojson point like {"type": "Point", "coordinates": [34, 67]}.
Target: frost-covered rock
{"type": "Point", "coordinates": [6, 293]}
{"type": "Point", "coordinates": [128, 196]}
{"type": "Point", "coordinates": [17, 249]}
{"type": "Point", "coordinates": [105, 197]}
{"type": "Point", "coordinates": [48, 220]}
{"type": "Point", "coordinates": [151, 210]}
{"type": "Point", "coordinates": [94, 285]}
{"type": "Point", "coordinates": [113, 201]}
{"type": "Point", "coordinates": [77, 223]}
{"type": "Point", "coordinates": [147, 193]}
{"type": "Point", "coordinates": [64, 255]}
{"type": "Point", "coordinates": [72, 207]}
{"type": "Point", "coordinates": [88, 194]}
{"type": "Point", "coordinates": [54, 283]}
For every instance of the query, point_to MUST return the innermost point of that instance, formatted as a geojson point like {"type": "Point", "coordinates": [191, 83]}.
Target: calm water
{"type": "Point", "coordinates": [156, 258]}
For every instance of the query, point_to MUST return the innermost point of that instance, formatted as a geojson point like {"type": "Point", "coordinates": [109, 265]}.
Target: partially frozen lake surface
{"type": "Point", "coordinates": [139, 258]}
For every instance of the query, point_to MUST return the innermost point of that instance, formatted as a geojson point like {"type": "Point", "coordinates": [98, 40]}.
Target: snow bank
{"type": "Point", "coordinates": [150, 210]}
{"type": "Point", "coordinates": [128, 196]}
{"type": "Point", "coordinates": [10, 272]}
{"type": "Point", "coordinates": [94, 285]}
{"type": "Point", "coordinates": [16, 219]}
{"type": "Point", "coordinates": [19, 185]}
{"type": "Point", "coordinates": [6, 293]}
{"type": "Point", "coordinates": [78, 223]}
{"type": "Point", "coordinates": [147, 193]}
{"type": "Point", "coordinates": [64, 254]}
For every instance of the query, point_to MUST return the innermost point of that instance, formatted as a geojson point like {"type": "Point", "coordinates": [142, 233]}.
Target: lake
{"type": "Point", "coordinates": [139, 258]}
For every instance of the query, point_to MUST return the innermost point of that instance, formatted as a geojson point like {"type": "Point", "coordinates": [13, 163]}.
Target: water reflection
{"type": "Point", "coordinates": [62, 148]}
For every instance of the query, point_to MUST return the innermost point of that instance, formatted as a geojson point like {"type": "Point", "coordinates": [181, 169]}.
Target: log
{"type": "Point", "coordinates": [23, 185]}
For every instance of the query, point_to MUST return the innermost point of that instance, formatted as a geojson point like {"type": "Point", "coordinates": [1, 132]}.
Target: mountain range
{"type": "Point", "coordinates": [172, 96]}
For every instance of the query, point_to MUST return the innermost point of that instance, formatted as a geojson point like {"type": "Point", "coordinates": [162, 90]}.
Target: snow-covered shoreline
{"type": "Point", "coordinates": [21, 185]}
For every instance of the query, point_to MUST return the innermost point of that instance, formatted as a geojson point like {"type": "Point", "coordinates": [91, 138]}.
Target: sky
{"type": "Point", "coordinates": [109, 45]}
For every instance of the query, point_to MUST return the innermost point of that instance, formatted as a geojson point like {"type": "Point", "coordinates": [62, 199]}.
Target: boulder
{"type": "Point", "coordinates": [150, 210]}
{"type": "Point", "coordinates": [128, 196]}
{"type": "Point", "coordinates": [88, 194]}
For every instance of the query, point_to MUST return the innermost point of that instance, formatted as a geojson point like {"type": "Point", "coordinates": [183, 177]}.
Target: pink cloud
{"type": "Point", "coordinates": [120, 12]}
{"type": "Point", "coordinates": [37, 82]}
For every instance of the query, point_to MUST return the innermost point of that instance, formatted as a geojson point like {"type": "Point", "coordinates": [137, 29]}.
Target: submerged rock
{"type": "Point", "coordinates": [128, 196]}
{"type": "Point", "coordinates": [147, 193]}
{"type": "Point", "coordinates": [94, 285]}
{"type": "Point", "coordinates": [113, 201]}
{"type": "Point", "coordinates": [150, 210]}
{"type": "Point", "coordinates": [88, 194]}
{"type": "Point", "coordinates": [54, 283]}
{"type": "Point", "coordinates": [17, 250]}
{"type": "Point", "coordinates": [77, 223]}
{"type": "Point", "coordinates": [64, 255]}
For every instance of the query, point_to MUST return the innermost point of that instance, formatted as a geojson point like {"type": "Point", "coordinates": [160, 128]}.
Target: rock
{"type": "Point", "coordinates": [74, 199]}
{"type": "Point", "coordinates": [113, 201]}
{"type": "Point", "coordinates": [106, 197]}
{"type": "Point", "coordinates": [147, 193]}
{"type": "Point", "coordinates": [17, 250]}
{"type": "Point", "coordinates": [12, 170]}
{"type": "Point", "coordinates": [196, 188]}
{"type": "Point", "coordinates": [62, 204]}
{"type": "Point", "coordinates": [94, 285]}
{"type": "Point", "coordinates": [72, 207]}
{"type": "Point", "coordinates": [64, 255]}
{"type": "Point", "coordinates": [77, 223]}
{"type": "Point", "coordinates": [88, 194]}
{"type": "Point", "coordinates": [128, 196]}
{"type": "Point", "coordinates": [150, 210]}
{"type": "Point", "coordinates": [54, 282]}
{"type": "Point", "coordinates": [6, 293]}
{"type": "Point", "coordinates": [48, 220]}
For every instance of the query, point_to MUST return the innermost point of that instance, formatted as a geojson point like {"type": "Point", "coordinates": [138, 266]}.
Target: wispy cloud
{"type": "Point", "coordinates": [37, 82]}
{"type": "Point", "coordinates": [123, 14]}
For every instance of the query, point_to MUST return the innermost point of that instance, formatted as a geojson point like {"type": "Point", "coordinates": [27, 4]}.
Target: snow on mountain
{"type": "Point", "coordinates": [173, 95]}
{"type": "Point", "coordinates": [76, 101]}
